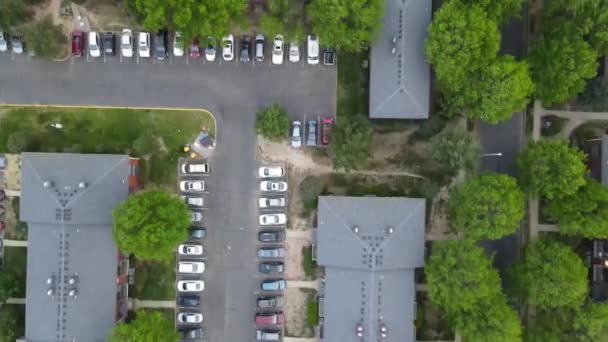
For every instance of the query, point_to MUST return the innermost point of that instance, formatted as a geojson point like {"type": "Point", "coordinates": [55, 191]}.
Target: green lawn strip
{"type": "Point", "coordinates": [155, 135]}
{"type": "Point", "coordinates": [312, 309]}
{"type": "Point", "coordinates": [15, 260]}
{"type": "Point", "coordinates": [18, 312]}
{"type": "Point", "coordinates": [309, 265]}
{"type": "Point", "coordinates": [154, 280]}
{"type": "Point", "coordinates": [353, 85]}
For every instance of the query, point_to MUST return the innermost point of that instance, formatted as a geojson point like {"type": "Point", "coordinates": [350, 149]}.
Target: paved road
{"type": "Point", "coordinates": [233, 92]}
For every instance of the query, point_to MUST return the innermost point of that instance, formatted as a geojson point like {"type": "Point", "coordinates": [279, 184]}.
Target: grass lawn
{"type": "Point", "coordinates": [18, 312]}
{"type": "Point", "coordinates": [353, 85]}
{"type": "Point", "coordinates": [156, 136]}
{"type": "Point", "coordinates": [15, 260]}
{"type": "Point", "coordinates": [153, 280]}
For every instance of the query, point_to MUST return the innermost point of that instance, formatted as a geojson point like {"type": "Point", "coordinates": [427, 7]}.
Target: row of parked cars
{"type": "Point", "coordinates": [312, 134]}
{"type": "Point", "coordinates": [14, 43]}
{"type": "Point", "coordinates": [190, 257]}
{"type": "Point", "coordinates": [251, 48]}
{"type": "Point", "coordinates": [272, 204]}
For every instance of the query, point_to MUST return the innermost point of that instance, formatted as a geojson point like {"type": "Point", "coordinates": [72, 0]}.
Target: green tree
{"type": "Point", "coordinates": [561, 62]}
{"type": "Point", "coordinates": [551, 275]}
{"type": "Point", "coordinates": [150, 224]}
{"type": "Point", "coordinates": [488, 207]}
{"type": "Point", "coordinates": [16, 142]}
{"type": "Point", "coordinates": [8, 324]}
{"type": "Point", "coordinates": [45, 39]}
{"type": "Point", "coordinates": [590, 323]}
{"type": "Point", "coordinates": [272, 122]}
{"type": "Point", "coordinates": [350, 143]}
{"type": "Point", "coordinates": [595, 96]}
{"type": "Point", "coordinates": [551, 168]}
{"type": "Point", "coordinates": [456, 149]}
{"type": "Point", "coordinates": [9, 286]}
{"type": "Point", "coordinates": [346, 24]}
{"type": "Point", "coordinates": [583, 213]}
{"type": "Point", "coordinates": [284, 17]}
{"type": "Point", "coordinates": [310, 189]}
{"type": "Point", "coordinates": [499, 10]}
{"type": "Point", "coordinates": [147, 326]}
{"type": "Point", "coordinates": [13, 13]}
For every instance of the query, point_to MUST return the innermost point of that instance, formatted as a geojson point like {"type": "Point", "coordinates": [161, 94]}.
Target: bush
{"type": "Point", "coordinates": [312, 312]}
{"type": "Point", "coordinates": [272, 122]}
{"type": "Point", "coordinates": [16, 142]}
{"type": "Point", "coordinates": [456, 149]}
{"type": "Point", "coordinates": [309, 265]}
{"type": "Point", "coordinates": [310, 189]}
{"type": "Point", "coordinates": [46, 39]}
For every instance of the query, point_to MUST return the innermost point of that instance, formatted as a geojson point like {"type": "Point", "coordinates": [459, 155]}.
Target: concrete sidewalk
{"type": "Point", "coordinates": [313, 284]}
{"type": "Point", "coordinates": [135, 304]}
{"type": "Point", "coordinates": [15, 243]}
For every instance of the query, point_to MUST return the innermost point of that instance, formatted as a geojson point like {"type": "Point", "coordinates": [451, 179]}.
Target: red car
{"type": "Point", "coordinates": [326, 124]}
{"type": "Point", "coordinates": [195, 51]}
{"type": "Point", "coordinates": [78, 43]}
{"type": "Point", "coordinates": [269, 318]}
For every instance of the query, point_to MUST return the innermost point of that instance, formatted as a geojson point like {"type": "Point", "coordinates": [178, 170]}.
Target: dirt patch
{"type": "Point", "coordinates": [293, 259]}
{"type": "Point", "coordinates": [295, 312]}
{"type": "Point", "coordinates": [439, 209]}
{"type": "Point", "coordinates": [303, 158]}
{"type": "Point", "coordinates": [108, 15]}
{"type": "Point", "coordinates": [12, 173]}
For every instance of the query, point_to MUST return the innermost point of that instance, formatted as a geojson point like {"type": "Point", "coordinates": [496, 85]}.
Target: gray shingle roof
{"type": "Point", "coordinates": [400, 81]}
{"type": "Point", "coordinates": [370, 247]}
{"type": "Point", "coordinates": [69, 234]}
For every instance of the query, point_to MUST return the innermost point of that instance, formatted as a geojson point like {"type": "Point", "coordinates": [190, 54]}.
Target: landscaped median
{"type": "Point", "coordinates": [155, 135]}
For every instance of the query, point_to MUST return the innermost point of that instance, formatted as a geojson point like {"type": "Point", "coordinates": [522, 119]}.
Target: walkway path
{"type": "Point", "coordinates": [312, 284]}
{"type": "Point", "coordinates": [300, 339]}
{"type": "Point", "coordinates": [301, 234]}
{"type": "Point", "coordinates": [12, 193]}
{"type": "Point", "coordinates": [15, 243]}
{"type": "Point", "coordinates": [160, 304]}
{"type": "Point", "coordinates": [15, 301]}
{"type": "Point", "coordinates": [441, 237]}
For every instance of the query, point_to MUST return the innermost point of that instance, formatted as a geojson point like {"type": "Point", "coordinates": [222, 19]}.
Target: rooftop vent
{"type": "Point", "coordinates": [82, 185]}
{"type": "Point", "coordinates": [390, 230]}
{"type": "Point", "coordinates": [383, 331]}
{"type": "Point", "coordinates": [72, 293]}
{"type": "Point", "coordinates": [47, 184]}
{"type": "Point", "coordinates": [360, 330]}
{"type": "Point", "coordinates": [355, 229]}
{"type": "Point", "coordinates": [49, 281]}
{"type": "Point", "coordinates": [49, 292]}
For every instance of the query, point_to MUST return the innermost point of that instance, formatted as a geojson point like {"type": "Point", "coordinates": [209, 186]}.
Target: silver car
{"type": "Point", "coordinates": [296, 134]}
{"type": "Point", "coordinates": [3, 42]}
{"type": "Point", "coordinates": [312, 133]}
{"type": "Point", "coordinates": [271, 252]}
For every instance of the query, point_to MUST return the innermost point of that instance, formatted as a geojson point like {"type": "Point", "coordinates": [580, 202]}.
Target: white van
{"type": "Point", "coordinates": [94, 47]}
{"type": "Point", "coordinates": [191, 267]}
{"type": "Point", "coordinates": [313, 49]}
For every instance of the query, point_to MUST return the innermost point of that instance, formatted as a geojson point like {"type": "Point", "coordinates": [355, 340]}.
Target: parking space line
{"type": "Point", "coordinates": [137, 58]}
{"type": "Point", "coordinates": [88, 56]}
{"type": "Point", "coordinates": [170, 59]}
{"type": "Point", "coordinates": [187, 59]}
{"type": "Point", "coordinates": [121, 58]}
{"type": "Point", "coordinates": [104, 58]}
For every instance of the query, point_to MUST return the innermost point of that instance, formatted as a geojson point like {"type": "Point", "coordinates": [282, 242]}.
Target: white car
{"type": "Point", "coordinates": [277, 50]}
{"type": "Point", "coordinates": [269, 219]}
{"type": "Point", "coordinates": [192, 185]}
{"type": "Point", "coordinates": [190, 317]}
{"type": "Point", "coordinates": [196, 216]}
{"type": "Point", "coordinates": [294, 52]}
{"type": "Point", "coordinates": [190, 285]}
{"type": "Point", "coordinates": [191, 267]}
{"type": "Point", "coordinates": [228, 47]}
{"type": "Point", "coordinates": [190, 249]}
{"type": "Point", "coordinates": [210, 51]}
{"type": "Point", "coordinates": [94, 47]}
{"type": "Point", "coordinates": [296, 134]}
{"type": "Point", "coordinates": [194, 201]}
{"type": "Point", "coordinates": [143, 45]}
{"type": "Point", "coordinates": [3, 41]}
{"type": "Point", "coordinates": [178, 45]}
{"type": "Point", "coordinates": [266, 202]}
{"type": "Point", "coordinates": [126, 43]}
{"type": "Point", "coordinates": [273, 186]}
{"type": "Point", "coordinates": [313, 49]}
{"type": "Point", "coordinates": [195, 168]}
{"type": "Point", "coordinates": [271, 171]}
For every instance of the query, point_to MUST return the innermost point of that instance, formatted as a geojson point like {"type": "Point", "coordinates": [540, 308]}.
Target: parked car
{"type": "Point", "coordinates": [178, 45]}
{"type": "Point", "coordinates": [190, 285]}
{"type": "Point", "coordinates": [18, 45]}
{"type": "Point", "coordinates": [190, 317]}
{"type": "Point", "coordinates": [194, 201]}
{"type": "Point", "coordinates": [190, 301]}
{"type": "Point", "coordinates": [160, 45]}
{"type": "Point", "coordinates": [277, 50]}
{"type": "Point", "coordinates": [94, 44]}
{"type": "Point", "coordinates": [271, 236]}
{"type": "Point", "coordinates": [268, 335]}
{"type": "Point", "coordinates": [210, 50]}
{"type": "Point", "coordinates": [271, 252]}
{"type": "Point", "coordinates": [273, 186]}
{"type": "Point", "coordinates": [77, 43]}
{"type": "Point", "coordinates": [245, 49]}
{"type": "Point", "coordinates": [273, 285]}
{"type": "Point", "coordinates": [269, 318]}
{"type": "Point", "coordinates": [191, 267]}
{"type": "Point", "coordinates": [143, 45]}
{"type": "Point", "coordinates": [294, 52]}
{"type": "Point", "coordinates": [270, 302]}
{"type": "Point", "coordinates": [327, 123]}
{"type": "Point", "coordinates": [270, 219]}
{"type": "Point", "coordinates": [192, 334]}
{"type": "Point", "coordinates": [195, 168]}
{"type": "Point", "coordinates": [228, 47]}
{"type": "Point", "coordinates": [313, 49]}
{"type": "Point", "coordinates": [3, 41]}
{"type": "Point", "coordinates": [266, 202]}
{"type": "Point", "coordinates": [259, 47]}
{"type": "Point", "coordinates": [271, 171]}
{"type": "Point", "coordinates": [187, 249]}
{"type": "Point", "coordinates": [296, 134]}
{"type": "Point", "coordinates": [109, 44]}
{"type": "Point", "coordinates": [197, 233]}
{"type": "Point", "coordinates": [329, 56]}
{"type": "Point", "coordinates": [126, 43]}
{"type": "Point", "coordinates": [312, 133]}
{"type": "Point", "coordinates": [195, 50]}
{"type": "Point", "coordinates": [188, 185]}
{"type": "Point", "coordinates": [196, 216]}
{"type": "Point", "coordinates": [271, 267]}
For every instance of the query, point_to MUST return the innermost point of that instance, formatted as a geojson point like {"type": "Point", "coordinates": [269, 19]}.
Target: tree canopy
{"type": "Point", "coordinates": [350, 143]}
{"type": "Point", "coordinates": [551, 168]}
{"type": "Point", "coordinates": [346, 25]}
{"type": "Point", "coordinates": [147, 326]}
{"type": "Point", "coordinates": [488, 207]}
{"type": "Point", "coordinates": [9, 286]}
{"type": "Point", "coordinates": [150, 224]}
{"type": "Point", "coordinates": [552, 275]}
{"type": "Point", "coordinates": [8, 324]}
{"type": "Point", "coordinates": [586, 323]}
{"type": "Point", "coordinates": [45, 39]}
{"type": "Point", "coordinates": [284, 17]}
{"type": "Point", "coordinates": [272, 122]}
{"type": "Point", "coordinates": [583, 213]}
{"type": "Point", "coordinates": [498, 10]}
{"type": "Point", "coordinates": [12, 13]}
{"type": "Point", "coordinates": [456, 149]}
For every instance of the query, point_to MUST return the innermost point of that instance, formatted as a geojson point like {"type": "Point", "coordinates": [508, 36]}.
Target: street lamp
{"type": "Point", "coordinates": [497, 154]}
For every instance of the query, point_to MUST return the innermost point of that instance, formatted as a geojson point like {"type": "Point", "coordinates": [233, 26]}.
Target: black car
{"type": "Point", "coordinates": [271, 267]}
{"type": "Point", "coordinates": [271, 236]}
{"type": "Point", "coordinates": [198, 233]}
{"type": "Point", "coordinates": [192, 334]}
{"type": "Point", "coordinates": [329, 56]}
{"type": "Point", "coordinates": [109, 44]}
{"type": "Point", "coordinates": [188, 301]}
{"type": "Point", "coordinates": [160, 45]}
{"type": "Point", "coordinates": [245, 49]}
